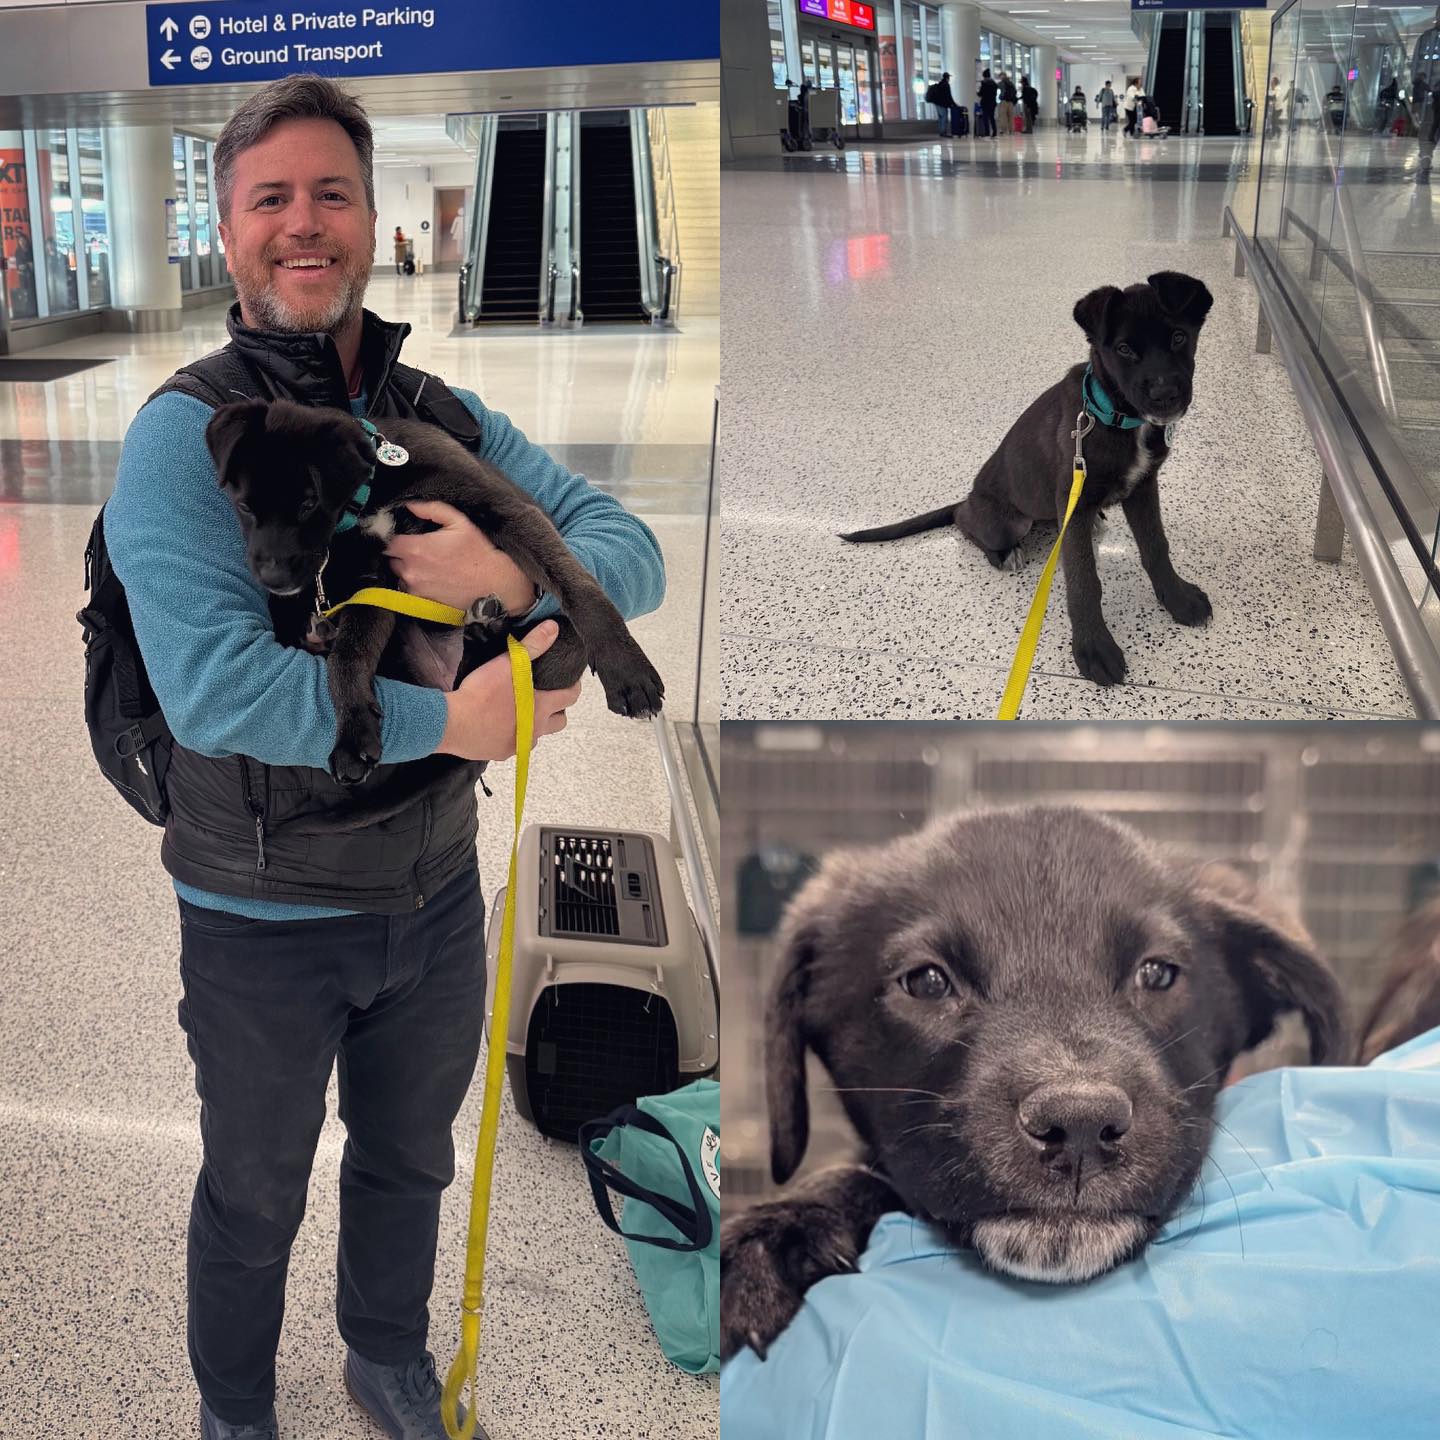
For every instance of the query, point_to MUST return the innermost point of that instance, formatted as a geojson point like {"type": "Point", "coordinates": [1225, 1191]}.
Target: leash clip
{"type": "Point", "coordinates": [321, 603]}
{"type": "Point", "coordinates": [1084, 424]}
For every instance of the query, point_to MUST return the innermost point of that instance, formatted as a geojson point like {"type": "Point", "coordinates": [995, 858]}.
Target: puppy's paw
{"type": "Point", "coordinates": [320, 635]}
{"type": "Point", "coordinates": [1188, 603]}
{"type": "Point", "coordinates": [1006, 560]}
{"type": "Point", "coordinates": [486, 619]}
{"type": "Point", "coordinates": [633, 686]}
{"type": "Point", "coordinates": [1100, 659]}
{"type": "Point", "coordinates": [357, 747]}
{"type": "Point", "coordinates": [769, 1257]}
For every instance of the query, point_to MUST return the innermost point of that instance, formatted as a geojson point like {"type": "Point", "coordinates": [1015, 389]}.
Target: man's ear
{"type": "Point", "coordinates": [1277, 968]}
{"type": "Point", "coordinates": [787, 1033]}
{"type": "Point", "coordinates": [228, 426]}
{"type": "Point", "coordinates": [1092, 313]}
{"type": "Point", "coordinates": [1182, 296]}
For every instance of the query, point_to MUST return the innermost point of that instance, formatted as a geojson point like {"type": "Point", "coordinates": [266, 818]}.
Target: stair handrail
{"type": "Point", "coordinates": [479, 231]}
{"type": "Point", "coordinates": [669, 258]}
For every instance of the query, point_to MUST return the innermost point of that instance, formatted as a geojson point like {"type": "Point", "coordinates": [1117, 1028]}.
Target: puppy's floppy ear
{"type": "Point", "coordinates": [1092, 313]}
{"type": "Point", "coordinates": [1182, 296]}
{"type": "Point", "coordinates": [1276, 967]}
{"type": "Point", "coordinates": [787, 1035]}
{"type": "Point", "coordinates": [228, 426]}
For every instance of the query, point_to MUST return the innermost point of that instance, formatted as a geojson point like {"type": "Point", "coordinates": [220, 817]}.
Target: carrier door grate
{"type": "Point", "coordinates": [593, 1047]}
{"type": "Point", "coordinates": [584, 896]}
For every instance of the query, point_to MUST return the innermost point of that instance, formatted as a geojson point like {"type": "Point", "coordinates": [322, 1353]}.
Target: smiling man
{"type": "Point", "coordinates": [307, 935]}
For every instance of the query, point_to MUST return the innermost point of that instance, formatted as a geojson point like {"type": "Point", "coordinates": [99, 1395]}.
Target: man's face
{"type": "Point", "coordinates": [299, 197]}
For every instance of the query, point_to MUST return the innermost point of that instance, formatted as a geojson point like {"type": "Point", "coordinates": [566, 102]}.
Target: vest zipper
{"type": "Point", "coordinates": [424, 841]}
{"type": "Point", "coordinates": [257, 810]}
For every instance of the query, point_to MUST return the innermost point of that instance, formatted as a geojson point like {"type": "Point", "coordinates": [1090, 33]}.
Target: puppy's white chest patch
{"type": "Point", "coordinates": [1142, 467]}
{"type": "Point", "coordinates": [380, 525]}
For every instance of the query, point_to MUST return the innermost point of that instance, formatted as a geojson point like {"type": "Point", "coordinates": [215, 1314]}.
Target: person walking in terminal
{"type": "Point", "coordinates": [1030, 103]}
{"type": "Point", "coordinates": [987, 93]}
{"type": "Point", "coordinates": [309, 934]}
{"type": "Point", "coordinates": [1108, 103]}
{"type": "Point", "coordinates": [1132, 106]}
{"type": "Point", "coordinates": [1008, 97]}
{"type": "Point", "coordinates": [401, 246]}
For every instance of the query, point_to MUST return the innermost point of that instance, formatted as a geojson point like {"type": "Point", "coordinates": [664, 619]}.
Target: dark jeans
{"type": "Point", "coordinates": [268, 1008]}
{"type": "Point", "coordinates": [987, 121]}
{"type": "Point", "coordinates": [1131, 116]}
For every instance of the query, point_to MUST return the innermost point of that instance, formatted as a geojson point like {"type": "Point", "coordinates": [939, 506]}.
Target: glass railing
{"type": "Point", "coordinates": [1348, 219]}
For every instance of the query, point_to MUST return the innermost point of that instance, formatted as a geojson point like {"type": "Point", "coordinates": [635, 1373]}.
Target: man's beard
{"type": "Point", "coordinates": [260, 299]}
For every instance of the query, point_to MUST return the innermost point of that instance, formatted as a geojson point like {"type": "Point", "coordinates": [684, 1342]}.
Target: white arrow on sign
{"type": "Point", "coordinates": [169, 59]}
{"type": "Point", "coordinates": [169, 28]}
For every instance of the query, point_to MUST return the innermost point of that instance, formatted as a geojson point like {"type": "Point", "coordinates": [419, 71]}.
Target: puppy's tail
{"type": "Point", "coordinates": [931, 520]}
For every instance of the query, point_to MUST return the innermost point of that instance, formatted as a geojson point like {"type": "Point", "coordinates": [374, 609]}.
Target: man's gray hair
{"type": "Point", "coordinates": [296, 97]}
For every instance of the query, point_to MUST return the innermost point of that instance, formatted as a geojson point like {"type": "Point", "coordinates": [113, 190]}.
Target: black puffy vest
{"type": "Point", "coordinates": [290, 833]}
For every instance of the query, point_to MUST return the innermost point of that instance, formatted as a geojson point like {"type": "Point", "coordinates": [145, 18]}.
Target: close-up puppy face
{"type": "Point", "coordinates": [1027, 1015]}
{"type": "Point", "coordinates": [1142, 342]}
{"type": "Point", "coordinates": [289, 471]}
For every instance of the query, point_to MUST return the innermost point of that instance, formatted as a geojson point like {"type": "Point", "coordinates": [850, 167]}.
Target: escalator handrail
{"type": "Point", "coordinates": [552, 276]}
{"type": "Point", "coordinates": [574, 291]}
{"type": "Point", "coordinates": [667, 269]}
{"type": "Point", "coordinates": [1414, 648]}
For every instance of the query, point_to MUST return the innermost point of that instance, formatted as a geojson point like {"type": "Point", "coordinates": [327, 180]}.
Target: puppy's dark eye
{"type": "Point", "coordinates": [1178, 339]}
{"type": "Point", "coordinates": [1156, 975]}
{"type": "Point", "coordinates": [1126, 352]}
{"type": "Point", "coordinates": [308, 509]}
{"type": "Point", "coordinates": [244, 510]}
{"type": "Point", "coordinates": [929, 982]}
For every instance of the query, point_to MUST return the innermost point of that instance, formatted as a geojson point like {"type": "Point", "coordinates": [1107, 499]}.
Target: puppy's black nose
{"type": "Point", "coordinates": [1069, 1121]}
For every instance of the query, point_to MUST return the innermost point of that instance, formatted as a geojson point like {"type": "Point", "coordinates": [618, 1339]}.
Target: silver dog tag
{"type": "Point", "coordinates": [389, 454]}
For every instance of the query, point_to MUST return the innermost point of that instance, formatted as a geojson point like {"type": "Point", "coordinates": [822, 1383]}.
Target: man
{"type": "Point", "coordinates": [987, 92]}
{"type": "Point", "coordinates": [1425, 92]}
{"type": "Point", "coordinates": [1030, 102]}
{"type": "Point", "coordinates": [1008, 97]}
{"type": "Point", "coordinates": [306, 934]}
{"type": "Point", "coordinates": [1106, 100]}
{"type": "Point", "coordinates": [943, 99]}
{"type": "Point", "coordinates": [1132, 104]}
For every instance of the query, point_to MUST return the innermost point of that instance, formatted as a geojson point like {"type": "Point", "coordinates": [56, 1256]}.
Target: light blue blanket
{"type": "Point", "coordinates": [1296, 1297]}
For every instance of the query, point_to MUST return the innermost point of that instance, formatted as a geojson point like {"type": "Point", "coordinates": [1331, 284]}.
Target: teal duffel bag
{"type": "Point", "coordinates": [663, 1155]}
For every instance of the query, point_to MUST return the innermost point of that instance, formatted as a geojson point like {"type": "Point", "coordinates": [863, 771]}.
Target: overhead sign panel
{"type": "Point", "coordinates": [1197, 4]}
{"type": "Point", "coordinates": [247, 40]}
{"type": "Point", "coordinates": [843, 12]}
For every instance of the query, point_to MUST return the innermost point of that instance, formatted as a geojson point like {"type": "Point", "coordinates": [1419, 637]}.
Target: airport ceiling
{"type": "Point", "coordinates": [203, 108]}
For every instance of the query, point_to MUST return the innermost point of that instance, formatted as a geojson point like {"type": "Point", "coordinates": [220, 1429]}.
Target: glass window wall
{"type": "Point", "coordinates": [17, 228]}
{"type": "Point", "coordinates": [58, 216]}
{"type": "Point", "coordinates": [95, 218]}
{"type": "Point", "coordinates": [778, 68]}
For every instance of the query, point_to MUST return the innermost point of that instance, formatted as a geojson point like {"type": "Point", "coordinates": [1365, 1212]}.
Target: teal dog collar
{"type": "Point", "coordinates": [1098, 404]}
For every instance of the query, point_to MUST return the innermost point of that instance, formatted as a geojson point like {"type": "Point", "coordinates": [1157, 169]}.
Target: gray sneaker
{"type": "Point", "coordinates": [213, 1428]}
{"type": "Point", "coordinates": [403, 1400]}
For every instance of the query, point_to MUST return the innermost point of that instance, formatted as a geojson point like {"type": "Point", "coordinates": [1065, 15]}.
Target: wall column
{"type": "Point", "coordinates": [960, 49]}
{"type": "Point", "coordinates": [145, 287]}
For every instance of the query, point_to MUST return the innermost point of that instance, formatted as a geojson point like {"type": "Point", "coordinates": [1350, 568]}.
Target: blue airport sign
{"type": "Point", "coordinates": [249, 40]}
{"type": "Point", "coordinates": [1197, 4]}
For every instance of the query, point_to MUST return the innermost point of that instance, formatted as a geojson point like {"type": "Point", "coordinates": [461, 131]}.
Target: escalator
{"type": "Point", "coordinates": [609, 240]}
{"type": "Point", "coordinates": [1219, 71]}
{"type": "Point", "coordinates": [515, 238]}
{"type": "Point", "coordinates": [1167, 85]}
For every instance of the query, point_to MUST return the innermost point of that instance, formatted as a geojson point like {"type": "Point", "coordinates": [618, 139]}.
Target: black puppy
{"type": "Point", "coordinates": [293, 474]}
{"type": "Point", "coordinates": [1142, 363]}
{"type": "Point", "coordinates": [1027, 1015]}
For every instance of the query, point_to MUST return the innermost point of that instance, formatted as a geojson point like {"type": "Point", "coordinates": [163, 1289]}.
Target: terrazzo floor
{"type": "Point", "coordinates": [97, 1097]}
{"type": "Point", "coordinates": [887, 314]}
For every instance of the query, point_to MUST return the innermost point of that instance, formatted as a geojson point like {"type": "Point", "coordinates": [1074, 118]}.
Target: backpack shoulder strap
{"type": "Point", "coordinates": [216, 379]}
{"type": "Point", "coordinates": [436, 402]}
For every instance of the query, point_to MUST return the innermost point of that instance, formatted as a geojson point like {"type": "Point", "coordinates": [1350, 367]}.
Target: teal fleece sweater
{"type": "Point", "coordinates": [227, 687]}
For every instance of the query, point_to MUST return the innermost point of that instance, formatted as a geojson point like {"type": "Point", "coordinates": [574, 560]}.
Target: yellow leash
{"type": "Point", "coordinates": [403, 603]}
{"type": "Point", "coordinates": [462, 1367]}
{"type": "Point", "coordinates": [1030, 634]}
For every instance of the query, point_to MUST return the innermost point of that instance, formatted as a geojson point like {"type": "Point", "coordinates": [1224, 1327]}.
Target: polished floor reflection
{"type": "Point", "coordinates": [888, 313]}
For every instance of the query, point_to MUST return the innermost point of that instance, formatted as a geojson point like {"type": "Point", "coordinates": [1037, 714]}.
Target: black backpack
{"type": "Point", "coordinates": [930, 94]}
{"type": "Point", "coordinates": [128, 733]}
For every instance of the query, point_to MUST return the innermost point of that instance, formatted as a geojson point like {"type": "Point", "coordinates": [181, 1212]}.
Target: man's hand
{"type": "Point", "coordinates": [456, 564]}
{"type": "Point", "coordinates": [481, 721]}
